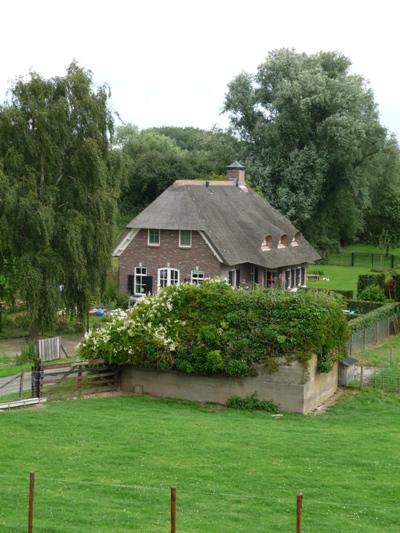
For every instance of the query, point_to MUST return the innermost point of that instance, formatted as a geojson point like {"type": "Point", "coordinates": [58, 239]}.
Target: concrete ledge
{"type": "Point", "coordinates": [291, 387]}
{"type": "Point", "coordinates": [21, 403]}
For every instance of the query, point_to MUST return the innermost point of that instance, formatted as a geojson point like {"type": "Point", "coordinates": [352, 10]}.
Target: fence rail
{"type": "Point", "coordinates": [373, 334]}
{"type": "Point", "coordinates": [375, 261]}
{"type": "Point", "coordinates": [78, 378]}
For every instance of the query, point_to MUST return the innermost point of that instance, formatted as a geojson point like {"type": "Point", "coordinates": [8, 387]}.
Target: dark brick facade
{"type": "Point", "coordinates": [167, 254]}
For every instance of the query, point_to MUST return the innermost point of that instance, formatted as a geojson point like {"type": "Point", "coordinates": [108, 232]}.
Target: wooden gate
{"type": "Point", "coordinates": [78, 378]}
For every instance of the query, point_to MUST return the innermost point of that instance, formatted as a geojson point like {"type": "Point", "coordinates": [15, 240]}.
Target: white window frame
{"type": "Point", "coordinates": [139, 276]}
{"type": "Point", "coordinates": [169, 277]}
{"type": "Point", "coordinates": [180, 238]}
{"type": "Point", "coordinates": [195, 279]}
{"type": "Point", "coordinates": [148, 237]}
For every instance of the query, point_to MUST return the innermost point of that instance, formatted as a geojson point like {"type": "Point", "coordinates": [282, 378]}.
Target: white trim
{"type": "Point", "coordinates": [148, 237]}
{"type": "Point", "coordinates": [124, 243]}
{"type": "Point", "coordinates": [213, 250]}
{"type": "Point", "coordinates": [180, 241]}
{"type": "Point", "coordinates": [169, 270]}
{"type": "Point", "coordinates": [197, 272]}
{"type": "Point", "coordinates": [134, 280]}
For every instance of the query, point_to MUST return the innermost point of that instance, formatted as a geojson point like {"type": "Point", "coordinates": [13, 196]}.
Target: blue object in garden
{"type": "Point", "coordinates": [100, 312]}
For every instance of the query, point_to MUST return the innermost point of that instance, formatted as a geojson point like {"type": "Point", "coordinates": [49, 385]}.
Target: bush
{"type": "Point", "coordinates": [365, 280]}
{"type": "Point", "coordinates": [251, 403]}
{"type": "Point", "coordinates": [28, 353]}
{"type": "Point", "coordinates": [213, 329]}
{"type": "Point", "coordinates": [380, 313]}
{"type": "Point", "coordinates": [372, 293]}
{"type": "Point", "coordinates": [361, 307]}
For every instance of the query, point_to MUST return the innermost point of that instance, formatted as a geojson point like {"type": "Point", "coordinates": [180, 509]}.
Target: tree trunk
{"type": "Point", "coordinates": [34, 331]}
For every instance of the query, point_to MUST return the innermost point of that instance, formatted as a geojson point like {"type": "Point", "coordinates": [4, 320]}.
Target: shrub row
{"type": "Point", "coordinates": [373, 316]}
{"type": "Point", "coordinates": [362, 307]}
{"type": "Point", "coordinates": [365, 280]}
{"type": "Point", "coordinates": [212, 329]}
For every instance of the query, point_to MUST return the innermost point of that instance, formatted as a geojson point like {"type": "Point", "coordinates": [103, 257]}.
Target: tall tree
{"type": "Point", "coordinates": [310, 128]}
{"type": "Point", "coordinates": [55, 152]}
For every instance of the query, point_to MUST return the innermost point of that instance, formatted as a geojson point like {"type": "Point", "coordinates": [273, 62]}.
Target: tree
{"type": "Point", "coordinates": [310, 128]}
{"type": "Point", "coordinates": [156, 157]}
{"type": "Point", "coordinates": [62, 178]}
{"type": "Point", "coordinates": [152, 162]}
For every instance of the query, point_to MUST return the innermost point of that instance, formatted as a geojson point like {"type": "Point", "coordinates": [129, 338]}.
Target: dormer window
{"type": "Point", "coordinates": [267, 243]}
{"type": "Point", "coordinates": [283, 241]}
{"type": "Point", "coordinates": [296, 239]}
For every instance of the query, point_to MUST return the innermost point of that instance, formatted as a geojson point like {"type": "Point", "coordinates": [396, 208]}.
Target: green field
{"type": "Point", "coordinates": [106, 465]}
{"type": "Point", "coordinates": [340, 277]}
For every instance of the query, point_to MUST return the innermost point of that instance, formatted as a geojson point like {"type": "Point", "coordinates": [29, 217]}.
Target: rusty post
{"type": "Point", "coordinates": [299, 512]}
{"type": "Point", "coordinates": [30, 501]}
{"type": "Point", "coordinates": [173, 509]}
{"type": "Point", "coordinates": [79, 381]}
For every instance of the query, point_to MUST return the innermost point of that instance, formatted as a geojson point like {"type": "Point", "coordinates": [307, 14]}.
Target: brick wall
{"type": "Point", "coordinates": [153, 258]}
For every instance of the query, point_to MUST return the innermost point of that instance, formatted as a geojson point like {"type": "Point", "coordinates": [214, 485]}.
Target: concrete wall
{"type": "Point", "coordinates": [291, 387]}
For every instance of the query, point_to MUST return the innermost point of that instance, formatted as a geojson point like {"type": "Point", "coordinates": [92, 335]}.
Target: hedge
{"type": "Point", "coordinates": [212, 328]}
{"type": "Point", "coordinates": [362, 306]}
{"type": "Point", "coordinates": [364, 280]}
{"type": "Point", "coordinates": [373, 316]}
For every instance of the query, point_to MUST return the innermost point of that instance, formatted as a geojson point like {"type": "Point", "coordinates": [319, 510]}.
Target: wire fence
{"type": "Point", "coordinates": [373, 261]}
{"type": "Point", "coordinates": [373, 334]}
{"type": "Point", "coordinates": [68, 505]}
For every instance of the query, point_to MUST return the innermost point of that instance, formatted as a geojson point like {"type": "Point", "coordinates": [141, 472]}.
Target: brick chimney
{"type": "Point", "coordinates": [235, 172]}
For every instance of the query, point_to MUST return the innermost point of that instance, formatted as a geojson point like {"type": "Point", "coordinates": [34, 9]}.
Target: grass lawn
{"type": "Point", "coordinates": [9, 366]}
{"type": "Point", "coordinates": [340, 277]}
{"type": "Point", "coordinates": [106, 465]}
{"type": "Point", "coordinates": [387, 352]}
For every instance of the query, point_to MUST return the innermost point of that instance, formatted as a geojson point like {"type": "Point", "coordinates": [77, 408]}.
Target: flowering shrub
{"type": "Point", "coordinates": [211, 328]}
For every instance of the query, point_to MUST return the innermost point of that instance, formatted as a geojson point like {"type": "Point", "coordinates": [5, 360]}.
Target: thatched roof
{"type": "Point", "coordinates": [234, 219]}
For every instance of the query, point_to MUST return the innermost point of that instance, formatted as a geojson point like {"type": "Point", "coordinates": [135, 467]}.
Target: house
{"type": "Point", "coordinates": [204, 229]}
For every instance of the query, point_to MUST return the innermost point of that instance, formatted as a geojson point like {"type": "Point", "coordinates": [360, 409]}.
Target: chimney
{"type": "Point", "coordinates": [235, 172]}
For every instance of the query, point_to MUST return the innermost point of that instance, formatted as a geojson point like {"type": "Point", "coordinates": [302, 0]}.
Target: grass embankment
{"type": "Point", "coordinates": [107, 464]}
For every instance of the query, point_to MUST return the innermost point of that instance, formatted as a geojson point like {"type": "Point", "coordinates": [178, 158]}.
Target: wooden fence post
{"type": "Point", "coordinates": [30, 501]}
{"type": "Point", "coordinates": [173, 509]}
{"type": "Point", "coordinates": [21, 385]}
{"type": "Point", "coordinates": [79, 381]}
{"type": "Point", "coordinates": [299, 512]}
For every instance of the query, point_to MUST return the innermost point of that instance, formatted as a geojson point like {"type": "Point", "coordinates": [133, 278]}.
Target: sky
{"type": "Point", "coordinates": [168, 62]}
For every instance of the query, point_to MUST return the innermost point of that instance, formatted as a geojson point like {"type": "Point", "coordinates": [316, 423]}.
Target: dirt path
{"type": "Point", "coordinates": [13, 346]}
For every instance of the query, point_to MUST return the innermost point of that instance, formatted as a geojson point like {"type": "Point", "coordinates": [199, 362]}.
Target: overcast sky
{"type": "Point", "coordinates": [168, 62]}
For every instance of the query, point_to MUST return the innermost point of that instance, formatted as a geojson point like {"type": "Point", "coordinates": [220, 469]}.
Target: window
{"type": "Point", "coordinates": [196, 277]}
{"type": "Point", "coordinates": [288, 279]}
{"type": "Point", "coordinates": [153, 237]}
{"type": "Point", "coordinates": [283, 241]}
{"type": "Point", "coordinates": [185, 238]}
{"type": "Point", "coordinates": [270, 279]}
{"type": "Point", "coordinates": [140, 281]}
{"type": "Point", "coordinates": [296, 239]}
{"type": "Point", "coordinates": [253, 276]}
{"type": "Point", "coordinates": [234, 278]}
{"type": "Point", "coordinates": [167, 277]}
{"type": "Point", "coordinates": [267, 243]}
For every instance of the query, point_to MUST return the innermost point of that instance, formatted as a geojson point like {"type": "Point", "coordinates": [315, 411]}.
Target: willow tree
{"type": "Point", "coordinates": [56, 154]}
{"type": "Point", "coordinates": [311, 128]}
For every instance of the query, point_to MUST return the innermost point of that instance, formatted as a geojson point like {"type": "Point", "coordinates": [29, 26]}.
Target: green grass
{"type": "Point", "coordinates": [9, 366]}
{"type": "Point", "coordinates": [383, 354]}
{"type": "Point", "coordinates": [106, 465]}
{"type": "Point", "coordinates": [340, 277]}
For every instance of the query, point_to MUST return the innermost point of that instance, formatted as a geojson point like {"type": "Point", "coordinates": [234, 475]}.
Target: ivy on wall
{"type": "Point", "coordinates": [213, 329]}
